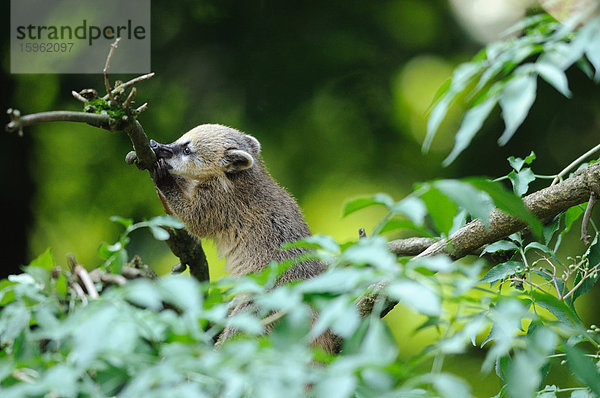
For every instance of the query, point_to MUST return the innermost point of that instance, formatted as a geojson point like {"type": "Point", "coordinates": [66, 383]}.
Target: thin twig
{"type": "Point", "coordinates": [80, 293]}
{"type": "Point", "coordinates": [129, 83]}
{"type": "Point", "coordinates": [517, 279]}
{"type": "Point", "coordinates": [553, 276]}
{"type": "Point", "coordinates": [106, 66]}
{"type": "Point", "coordinates": [574, 163]}
{"type": "Point", "coordinates": [130, 98]}
{"type": "Point", "coordinates": [79, 97]}
{"type": "Point", "coordinates": [141, 108]}
{"type": "Point", "coordinates": [585, 237]}
{"type": "Point", "coordinates": [85, 279]}
{"type": "Point", "coordinates": [274, 317]}
{"type": "Point", "coordinates": [583, 277]}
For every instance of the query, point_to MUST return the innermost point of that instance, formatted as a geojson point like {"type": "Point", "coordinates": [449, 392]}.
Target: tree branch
{"type": "Point", "coordinates": [544, 204]}
{"type": "Point", "coordinates": [410, 246]}
{"type": "Point", "coordinates": [18, 122]}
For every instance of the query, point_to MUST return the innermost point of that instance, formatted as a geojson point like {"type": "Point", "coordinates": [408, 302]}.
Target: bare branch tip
{"type": "Point", "coordinates": [141, 108]}
{"type": "Point", "coordinates": [15, 124]}
{"type": "Point", "coordinates": [130, 98]}
{"type": "Point", "coordinates": [79, 97]}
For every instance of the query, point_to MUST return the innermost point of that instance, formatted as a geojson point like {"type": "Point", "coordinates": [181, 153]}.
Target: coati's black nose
{"type": "Point", "coordinates": [161, 150]}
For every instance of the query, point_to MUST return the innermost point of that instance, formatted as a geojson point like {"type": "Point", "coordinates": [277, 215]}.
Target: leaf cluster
{"type": "Point", "coordinates": [505, 73]}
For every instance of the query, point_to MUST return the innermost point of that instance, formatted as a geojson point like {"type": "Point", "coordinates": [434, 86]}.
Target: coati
{"type": "Point", "coordinates": [214, 180]}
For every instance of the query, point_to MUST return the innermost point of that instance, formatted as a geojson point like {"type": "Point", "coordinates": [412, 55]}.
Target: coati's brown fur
{"type": "Point", "coordinates": [214, 180]}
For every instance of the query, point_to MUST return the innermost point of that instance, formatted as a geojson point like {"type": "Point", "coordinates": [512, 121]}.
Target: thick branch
{"type": "Point", "coordinates": [189, 251]}
{"type": "Point", "coordinates": [141, 146]}
{"type": "Point", "coordinates": [544, 204]}
{"type": "Point", "coordinates": [410, 246]}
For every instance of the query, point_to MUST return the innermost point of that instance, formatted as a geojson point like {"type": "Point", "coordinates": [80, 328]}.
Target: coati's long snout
{"type": "Point", "coordinates": [162, 151]}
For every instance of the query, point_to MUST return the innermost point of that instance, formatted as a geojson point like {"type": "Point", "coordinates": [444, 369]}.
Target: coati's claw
{"type": "Point", "coordinates": [161, 171]}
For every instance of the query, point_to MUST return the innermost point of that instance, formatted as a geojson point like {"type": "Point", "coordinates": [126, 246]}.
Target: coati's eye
{"type": "Point", "coordinates": [187, 150]}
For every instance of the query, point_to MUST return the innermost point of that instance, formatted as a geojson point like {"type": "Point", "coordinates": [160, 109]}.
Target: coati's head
{"type": "Point", "coordinates": [209, 150]}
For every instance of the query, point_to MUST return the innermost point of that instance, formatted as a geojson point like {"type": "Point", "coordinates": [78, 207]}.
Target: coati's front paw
{"type": "Point", "coordinates": [160, 174]}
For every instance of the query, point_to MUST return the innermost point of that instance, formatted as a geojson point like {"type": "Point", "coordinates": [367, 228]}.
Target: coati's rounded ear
{"type": "Point", "coordinates": [237, 160]}
{"type": "Point", "coordinates": [254, 144]}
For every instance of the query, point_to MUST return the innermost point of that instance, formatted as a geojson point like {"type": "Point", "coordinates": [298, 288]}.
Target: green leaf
{"type": "Point", "coordinates": [593, 256]}
{"type": "Point", "coordinates": [555, 76]}
{"type": "Point", "coordinates": [592, 44]}
{"type": "Point", "coordinates": [336, 386]}
{"type": "Point", "coordinates": [143, 293]}
{"type": "Point", "coordinates": [518, 163]}
{"type": "Point", "coordinates": [571, 215]}
{"type": "Point", "coordinates": [508, 202]}
{"type": "Point", "coordinates": [411, 207]}
{"type": "Point", "coordinates": [340, 316]}
{"type": "Point", "coordinates": [166, 221]}
{"type": "Point", "coordinates": [435, 119]}
{"type": "Point", "coordinates": [593, 252]}
{"type": "Point", "coordinates": [583, 368]}
{"type": "Point", "coordinates": [504, 58]}
{"type": "Point", "coordinates": [479, 204]}
{"type": "Point", "coordinates": [528, 367]}
{"type": "Point", "coordinates": [378, 346]}
{"type": "Point", "coordinates": [507, 317]}
{"type": "Point", "coordinates": [159, 233]}
{"type": "Point", "coordinates": [470, 125]}
{"type": "Point", "coordinates": [7, 294]}
{"type": "Point", "coordinates": [539, 246]}
{"type": "Point", "coordinates": [395, 224]}
{"type": "Point", "coordinates": [450, 386]}
{"type": "Point", "coordinates": [116, 261]}
{"type": "Point", "coordinates": [373, 251]}
{"type": "Point", "coordinates": [361, 203]}
{"type": "Point", "coordinates": [586, 286]}
{"type": "Point", "coordinates": [501, 271]}
{"type": "Point", "coordinates": [516, 100]}
{"type": "Point", "coordinates": [582, 394]}
{"type": "Point", "coordinates": [126, 222]}
{"type": "Point", "coordinates": [522, 377]}
{"type": "Point", "coordinates": [182, 292]}
{"type": "Point", "coordinates": [316, 242]}
{"type": "Point", "coordinates": [440, 208]}
{"type": "Point", "coordinates": [462, 76]}
{"type": "Point", "coordinates": [556, 307]}
{"type": "Point", "coordinates": [501, 245]}
{"type": "Point", "coordinates": [14, 318]}
{"type": "Point", "coordinates": [61, 380]}
{"type": "Point", "coordinates": [44, 260]}
{"type": "Point", "coordinates": [419, 297]}
{"type": "Point", "coordinates": [99, 330]}
{"type": "Point", "coordinates": [550, 229]}
{"type": "Point", "coordinates": [521, 180]}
